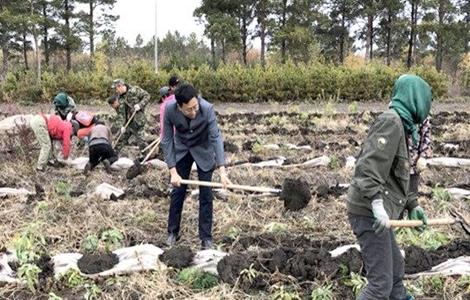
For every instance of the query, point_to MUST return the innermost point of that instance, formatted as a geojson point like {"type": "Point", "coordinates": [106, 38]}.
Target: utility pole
{"type": "Point", "coordinates": [156, 39]}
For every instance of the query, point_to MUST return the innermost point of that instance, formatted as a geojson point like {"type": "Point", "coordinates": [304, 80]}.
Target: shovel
{"type": "Point", "coordinates": [249, 188]}
{"type": "Point", "coordinates": [125, 127]}
{"type": "Point", "coordinates": [295, 192]}
{"type": "Point", "coordinates": [457, 218]}
{"type": "Point", "coordinates": [137, 169]}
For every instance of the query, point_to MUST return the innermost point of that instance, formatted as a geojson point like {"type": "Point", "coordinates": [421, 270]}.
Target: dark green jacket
{"type": "Point", "coordinates": [382, 169]}
{"type": "Point", "coordinates": [134, 95]}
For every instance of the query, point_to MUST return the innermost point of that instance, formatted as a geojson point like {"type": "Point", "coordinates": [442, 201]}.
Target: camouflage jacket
{"type": "Point", "coordinates": [134, 95]}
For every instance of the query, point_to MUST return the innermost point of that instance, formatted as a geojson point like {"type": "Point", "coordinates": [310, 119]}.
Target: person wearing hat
{"type": "Point", "coordinates": [191, 134]}
{"type": "Point", "coordinates": [165, 97]}
{"type": "Point", "coordinates": [64, 106]}
{"type": "Point", "coordinates": [382, 189]}
{"type": "Point", "coordinates": [130, 99]}
{"type": "Point", "coordinates": [48, 128]}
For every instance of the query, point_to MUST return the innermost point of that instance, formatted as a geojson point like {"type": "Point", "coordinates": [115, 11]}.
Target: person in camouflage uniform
{"type": "Point", "coordinates": [127, 100]}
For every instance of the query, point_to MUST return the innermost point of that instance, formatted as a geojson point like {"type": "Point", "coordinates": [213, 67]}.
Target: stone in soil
{"type": "Point", "coordinates": [96, 263]}
{"type": "Point", "coordinates": [178, 257]}
{"type": "Point", "coordinates": [295, 193]}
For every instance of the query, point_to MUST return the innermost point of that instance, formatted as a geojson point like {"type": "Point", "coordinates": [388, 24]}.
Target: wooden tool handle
{"type": "Point", "coordinates": [417, 223]}
{"type": "Point", "coordinates": [125, 126]}
{"type": "Point", "coordinates": [259, 189]}
{"type": "Point", "coordinates": [150, 145]}
{"type": "Point", "coordinates": [151, 152]}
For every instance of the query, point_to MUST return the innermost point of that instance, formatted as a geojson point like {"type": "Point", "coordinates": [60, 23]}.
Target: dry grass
{"type": "Point", "coordinates": [66, 221]}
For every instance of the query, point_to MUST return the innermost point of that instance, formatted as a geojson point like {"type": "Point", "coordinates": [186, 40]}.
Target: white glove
{"type": "Point", "coordinates": [123, 130]}
{"type": "Point", "coordinates": [382, 220]}
{"type": "Point", "coordinates": [136, 107]}
{"type": "Point", "coordinates": [69, 116]}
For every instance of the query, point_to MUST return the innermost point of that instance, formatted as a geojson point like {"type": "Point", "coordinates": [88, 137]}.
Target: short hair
{"type": "Point", "coordinates": [174, 80]}
{"type": "Point", "coordinates": [113, 99]}
{"type": "Point", "coordinates": [184, 93]}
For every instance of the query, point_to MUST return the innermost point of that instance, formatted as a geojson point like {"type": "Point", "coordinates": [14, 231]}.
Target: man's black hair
{"type": "Point", "coordinates": [184, 93]}
{"type": "Point", "coordinates": [113, 99]}
{"type": "Point", "coordinates": [174, 80]}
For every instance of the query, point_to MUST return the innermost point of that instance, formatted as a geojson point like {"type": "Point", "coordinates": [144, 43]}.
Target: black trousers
{"type": "Point", "coordinates": [178, 194]}
{"type": "Point", "coordinates": [100, 152]}
{"type": "Point", "coordinates": [384, 264]}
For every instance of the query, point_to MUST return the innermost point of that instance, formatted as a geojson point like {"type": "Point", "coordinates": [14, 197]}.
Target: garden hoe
{"type": "Point", "coordinates": [137, 169]}
{"type": "Point", "coordinates": [457, 218]}
{"type": "Point", "coordinates": [295, 192]}
{"type": "Point", "coordinates": [125, 126]}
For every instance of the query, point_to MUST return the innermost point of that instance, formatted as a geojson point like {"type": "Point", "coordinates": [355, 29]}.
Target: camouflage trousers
{"type": "Point", "coordinates": [133, 130]}
{"type": "Point", "coordinates": [39, 127]}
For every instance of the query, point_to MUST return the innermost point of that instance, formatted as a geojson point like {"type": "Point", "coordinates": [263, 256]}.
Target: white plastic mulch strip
{"type": "Point", "coordinates": [146, 257]}
{"type": "Point", "coordinates": [11, 192]}
{"type": "Point", "coordinates": [459, 194]}
{"type": "Point", "coordinates": [105, 190]}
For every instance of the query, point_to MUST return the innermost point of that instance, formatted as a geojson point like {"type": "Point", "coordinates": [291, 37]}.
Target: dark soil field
{"type": "Point", "coordinates": [278, 245]}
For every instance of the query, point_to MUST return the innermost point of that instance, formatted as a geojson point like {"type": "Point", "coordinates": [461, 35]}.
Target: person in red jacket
{"type": "Point", "coordinates": [51, 127]}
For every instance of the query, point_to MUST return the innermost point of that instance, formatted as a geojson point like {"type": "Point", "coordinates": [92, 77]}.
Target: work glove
{"type": "Point", "coordinates": [417, 213]}
{"type": "Point", "coordinates": [69, 116]}
{"type": "Point", "coordinates": [137, 107]}
{"type": "Point", "coordinates": [123, 130]}
{"type": "Point", "coordinates": [382, 221]}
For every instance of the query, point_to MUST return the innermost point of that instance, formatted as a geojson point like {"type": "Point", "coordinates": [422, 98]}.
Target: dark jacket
{"type": "Point", "coordinates": [202, 138]}
{"type": "Point", "coordinates": [382, 169]}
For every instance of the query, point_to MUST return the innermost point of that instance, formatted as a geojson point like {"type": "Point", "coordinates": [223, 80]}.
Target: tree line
{"type": "Point", "coordinates": [408, 32]}
{"type": "Point", "coordinates": [302, 30]}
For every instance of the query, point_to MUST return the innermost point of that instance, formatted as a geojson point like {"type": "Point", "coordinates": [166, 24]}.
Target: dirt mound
{"type": "Point", "coordinates": [248, 145]}
{"type": "Point", "coordinates": [135, 170]}
{"type": "Point", "coordinates": [46, 265]}
{"type": "Point", "coordinates": [295, 193]}
{"type": "Point", "coordinates": [255, 159]}
{"type": "Point", "coordinates": [352, 259]}
{"type": "Point", "coordinates": [230, 147]}
{"type": "Point", "coordinates": [96, 263]}
{"type": "Point", "coordinates": [178, 257]}
{"type": "Point", "coordinates": [272, 241]}
{"type": "Point", "coordinates": [78, 190]}
{"type": "Point", "coordinates": [38, 196]}
{"type": "Point", "coordinates": [324, 191]}
{"type": "Point", "coordinates": [230, 266]}
{"type": "Point", "coordinates": [419, 260]}
{"type": "Point", "coordinates": [302, 264]}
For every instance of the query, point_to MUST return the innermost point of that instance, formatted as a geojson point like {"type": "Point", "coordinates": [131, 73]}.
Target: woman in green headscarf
{"type": "Point", "coordinates": [379, 191]}
{"type": "Point", "coordinates": [65, 106]}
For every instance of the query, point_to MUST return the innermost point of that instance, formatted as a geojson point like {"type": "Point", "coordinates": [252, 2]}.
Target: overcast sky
{"type": "Point", "coordinates": [138, 16]}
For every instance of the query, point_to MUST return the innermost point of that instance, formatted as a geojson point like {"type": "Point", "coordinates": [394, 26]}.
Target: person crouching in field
{"type": "Point", "coordinates": [51, 127]}
{"type": "Point", "coordinates": [100, 148]}
{"type": "Point", "coordinates": [381, 190]}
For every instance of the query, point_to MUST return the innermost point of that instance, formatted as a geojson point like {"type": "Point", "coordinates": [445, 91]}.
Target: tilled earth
{"type": "Point", "coordinates": [270, 246]}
